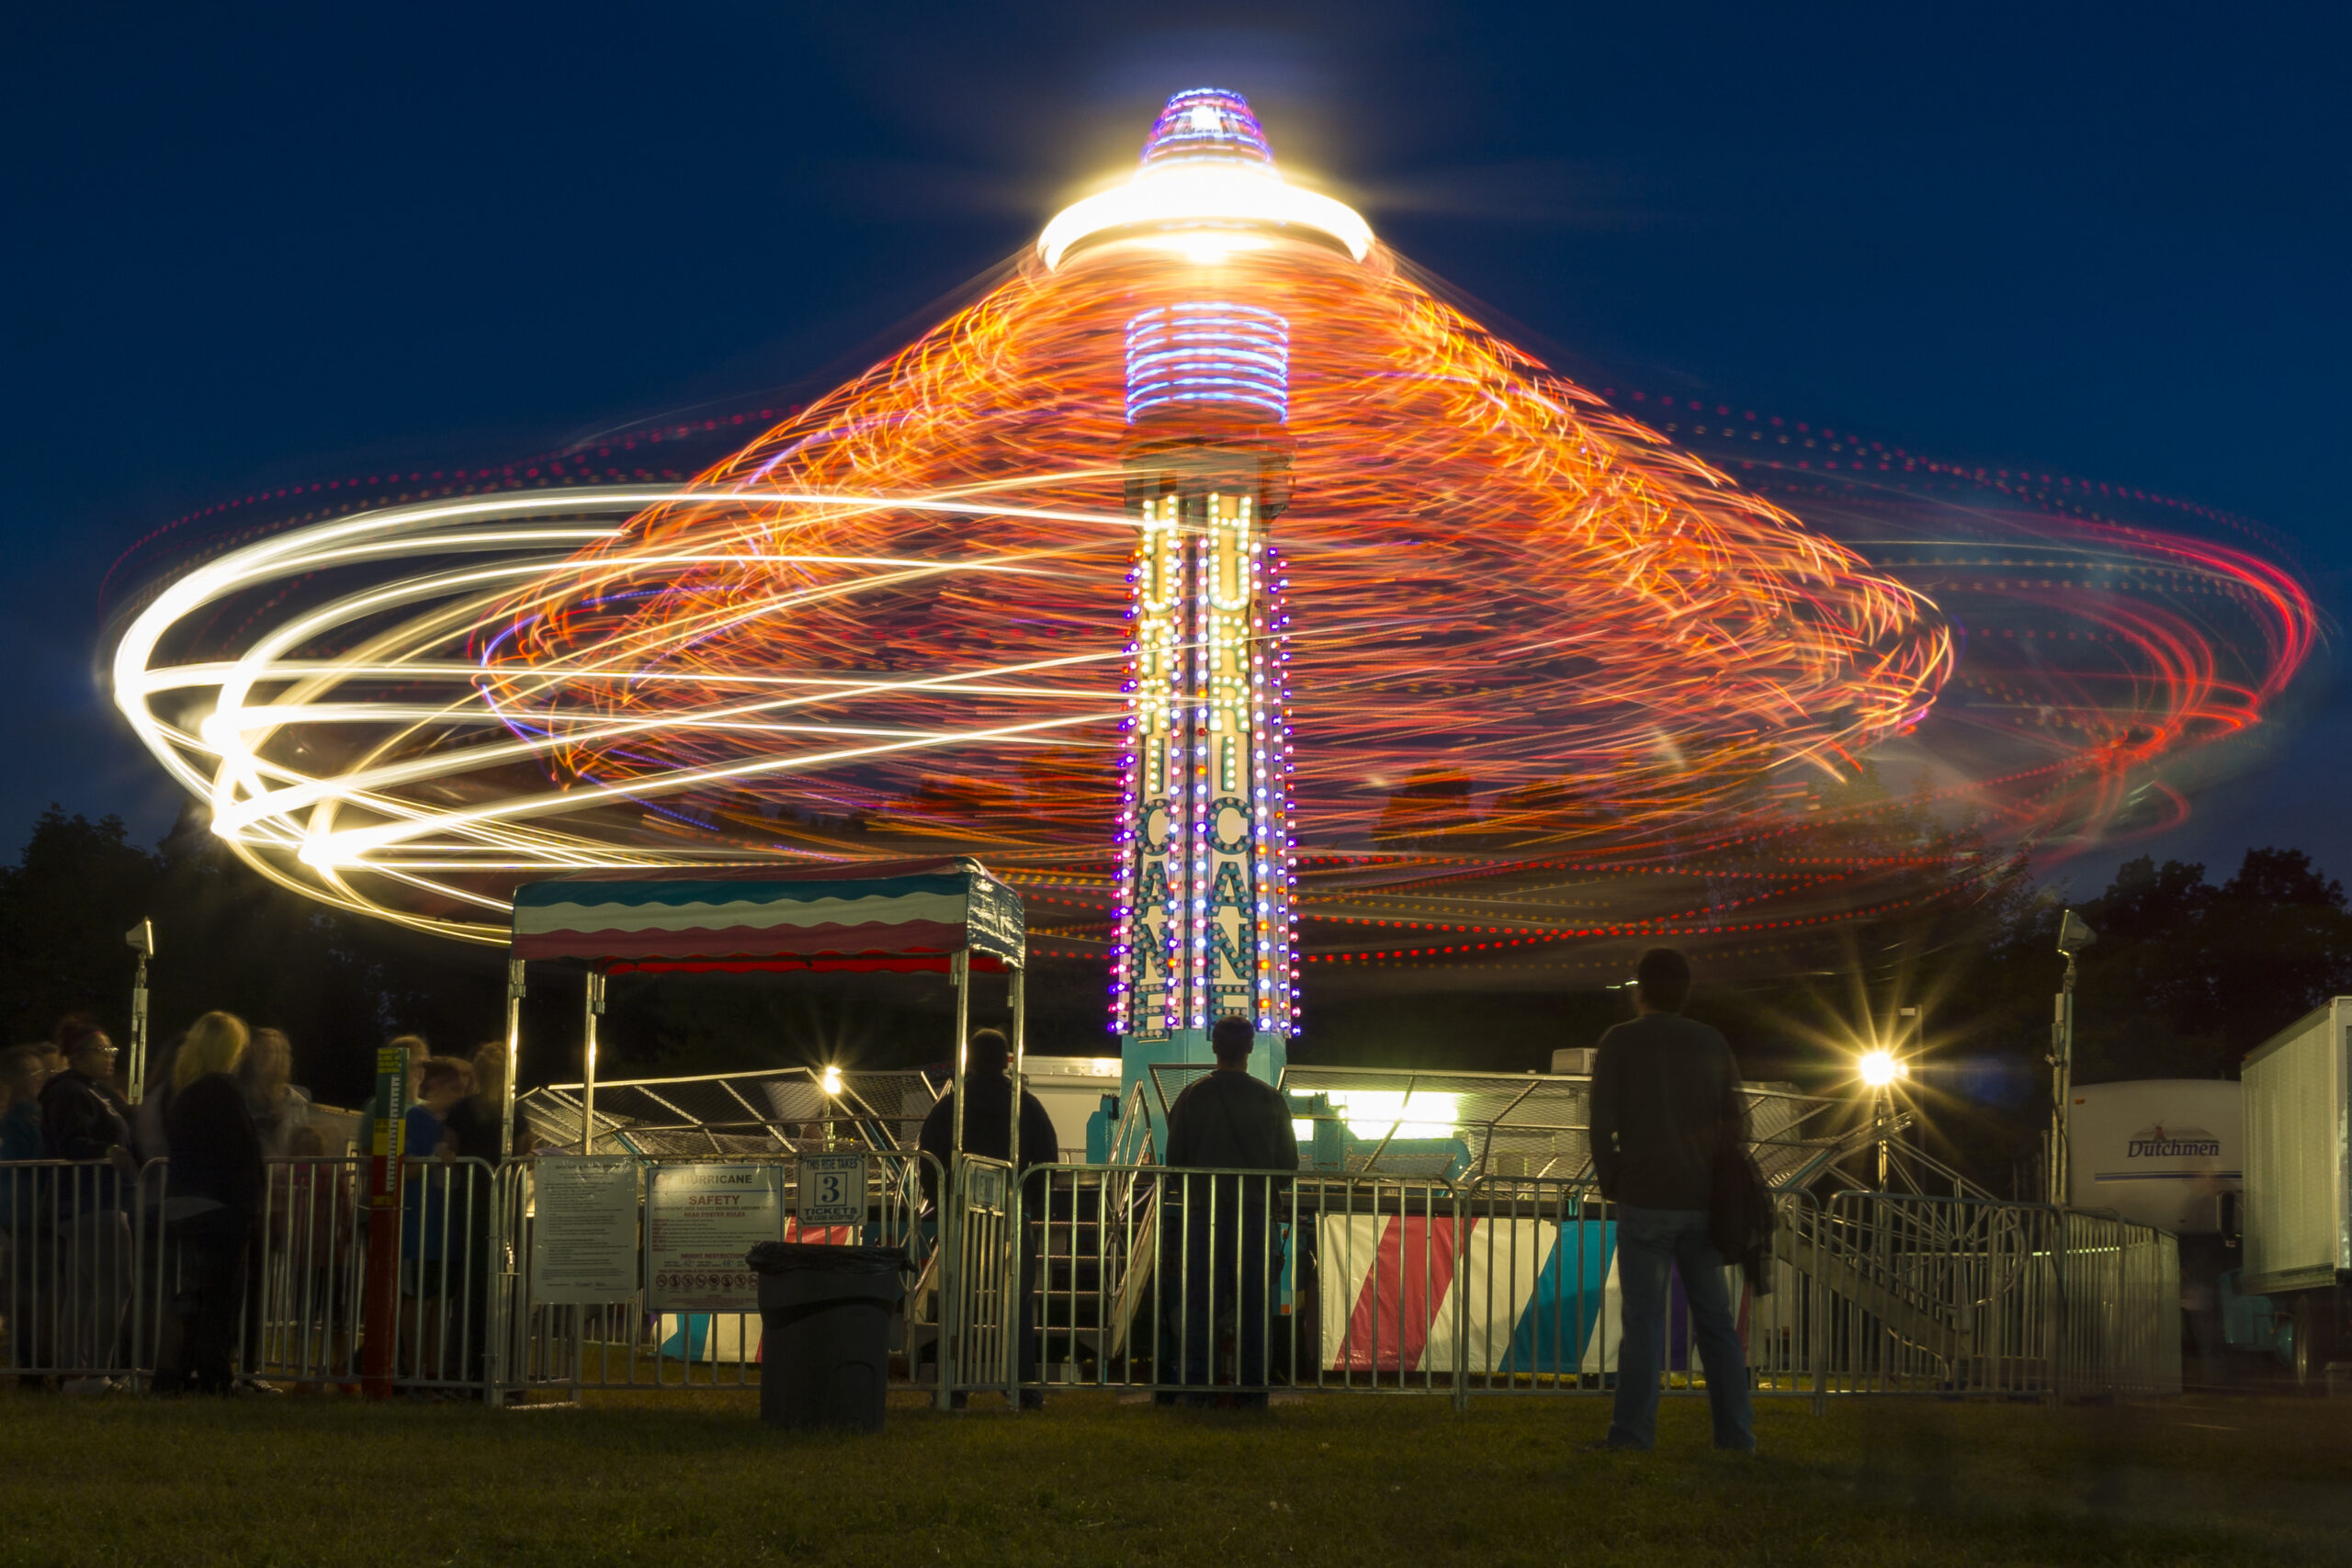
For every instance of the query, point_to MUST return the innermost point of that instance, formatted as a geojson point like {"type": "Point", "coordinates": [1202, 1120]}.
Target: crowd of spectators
{"type": "Point", "coordinates": [173, 1221]}
{"type": "Point", "coordinates": [219, 1189]}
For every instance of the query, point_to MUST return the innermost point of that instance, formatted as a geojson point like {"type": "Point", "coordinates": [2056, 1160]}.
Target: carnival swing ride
{"type": "Point", "coordinates": [1241, 600]}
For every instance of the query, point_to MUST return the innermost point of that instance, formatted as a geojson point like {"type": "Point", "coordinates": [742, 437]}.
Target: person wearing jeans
{"type": "Point", "coordinates": [1650, 1244]}
{"type": "Point", "coordinates": [1664, 1089]}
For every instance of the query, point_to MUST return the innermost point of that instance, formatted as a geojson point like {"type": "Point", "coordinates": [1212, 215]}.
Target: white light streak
{"type": "Point", "coordinates": [421, 794]}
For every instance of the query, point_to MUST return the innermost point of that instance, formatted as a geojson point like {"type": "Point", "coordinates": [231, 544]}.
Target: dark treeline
{"type": "Point", "coordinates": [2189, 975]}
{"type": "Point", "coordinates": [226, 938]}
{"type": "Point", "coordinates": [339, 985]}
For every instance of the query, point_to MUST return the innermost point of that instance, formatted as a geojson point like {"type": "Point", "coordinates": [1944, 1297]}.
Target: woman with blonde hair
{"type": "Point", "coordinates": [216, 1191]}
{"type": "Point", "coordinates": [266, 1074]}
{"type": "Point", "coordinates": [213, 1045]}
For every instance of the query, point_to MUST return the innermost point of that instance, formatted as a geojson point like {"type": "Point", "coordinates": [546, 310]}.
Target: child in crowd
{"type": "Point", "coordinates": [426, 1239]}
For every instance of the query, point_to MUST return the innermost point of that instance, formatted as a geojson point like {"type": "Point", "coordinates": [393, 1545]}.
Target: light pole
{"type": "Point", "coordinates": [2074, 936]}
{"type": "Point", "coordinates": [140, 939]}
{"type": "Point", "coordinates": [1880, 1067]}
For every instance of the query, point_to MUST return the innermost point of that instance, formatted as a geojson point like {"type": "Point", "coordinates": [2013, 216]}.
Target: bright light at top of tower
{"type": "Point", "coordinates": [1207, 172]}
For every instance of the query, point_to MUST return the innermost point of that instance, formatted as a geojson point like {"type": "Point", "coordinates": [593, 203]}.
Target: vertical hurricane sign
{"type": "Point", "coordinates": [1205, 843]}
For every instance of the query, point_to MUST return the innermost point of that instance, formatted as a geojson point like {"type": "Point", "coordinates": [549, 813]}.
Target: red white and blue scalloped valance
{"type": "Point", "coordinates": [892, 915]}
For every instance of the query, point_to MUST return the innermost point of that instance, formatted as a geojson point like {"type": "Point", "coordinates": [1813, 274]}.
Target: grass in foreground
{"type": "Point", "coordinates": [679, 1479]}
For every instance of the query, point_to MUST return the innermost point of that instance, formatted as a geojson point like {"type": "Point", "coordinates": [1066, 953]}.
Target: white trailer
{"type": "Point", "coordinates": [2298, 1203]}
{"type": "Point", "coordinates": [2160, 1152]}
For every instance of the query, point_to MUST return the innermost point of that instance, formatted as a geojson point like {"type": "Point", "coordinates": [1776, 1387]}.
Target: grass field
{"type": "Point", "coordinates": [696, 1480]}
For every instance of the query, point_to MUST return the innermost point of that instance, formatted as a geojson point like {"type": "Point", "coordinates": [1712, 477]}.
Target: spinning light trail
{"type": "Point", "coordinates": [1554, 674]}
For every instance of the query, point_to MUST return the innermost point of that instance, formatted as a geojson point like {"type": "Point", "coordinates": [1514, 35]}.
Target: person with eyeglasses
{"type": "Point", "coordinates": [86, 1121]}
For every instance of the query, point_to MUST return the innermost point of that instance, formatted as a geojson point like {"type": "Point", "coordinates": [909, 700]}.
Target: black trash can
{"type": "Point", "coordinates": [825, 1322]}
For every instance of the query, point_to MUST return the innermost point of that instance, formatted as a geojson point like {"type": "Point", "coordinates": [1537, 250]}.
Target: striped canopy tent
{"type": "Point", "coordinates": [912, 915]}
{"type": "Point", "coordinates": [893, 915]}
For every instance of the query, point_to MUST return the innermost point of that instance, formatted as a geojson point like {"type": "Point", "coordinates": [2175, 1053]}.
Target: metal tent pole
{"type": "Point", "coordinates": [960, 965]}
{"type": "Point", "coordinates": [1016, 1303]}
{"type": "Point", "coordinates": [595, 1010]}
{"type": "Point", "coordinates": [951, 1187]}
{"type": "Point", "coordinates": [514, 1055]}
{"type": "Point", "coordinates": [498, 1321]}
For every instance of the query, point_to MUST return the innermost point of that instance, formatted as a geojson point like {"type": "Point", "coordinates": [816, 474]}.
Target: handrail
{"type": "Point", "coordinates": [1133, 1144]}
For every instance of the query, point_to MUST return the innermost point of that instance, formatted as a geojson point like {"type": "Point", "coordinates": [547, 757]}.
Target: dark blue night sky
{"type": "Point", "coordinates": [249, 245]}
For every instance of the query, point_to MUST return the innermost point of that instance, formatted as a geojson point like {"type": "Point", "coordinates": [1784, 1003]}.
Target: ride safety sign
{"type": "Point", "coordinates": [699, 1222]}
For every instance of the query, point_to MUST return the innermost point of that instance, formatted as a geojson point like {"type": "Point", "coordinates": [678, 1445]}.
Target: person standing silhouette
{"type": "Point", "coordinates": [1663, 1088]}
{"type": "Point", "coordinates": [1223, 1269]}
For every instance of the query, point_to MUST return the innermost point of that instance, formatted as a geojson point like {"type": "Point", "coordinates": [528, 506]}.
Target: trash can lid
{"type": "Point", "coordinates": [798, 1256]}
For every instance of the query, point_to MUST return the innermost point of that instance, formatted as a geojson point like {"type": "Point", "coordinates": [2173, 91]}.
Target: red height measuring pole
{"type": "Point", "coordinates": [380, 1325]}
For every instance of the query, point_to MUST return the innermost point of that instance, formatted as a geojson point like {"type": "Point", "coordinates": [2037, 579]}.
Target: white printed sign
{"type": "Point", "coordinates": [832, 1189]}
{"type": "Point", "coordinates": [584, 1228]}
{"type": "Point", "coordinates": [699, 1222]}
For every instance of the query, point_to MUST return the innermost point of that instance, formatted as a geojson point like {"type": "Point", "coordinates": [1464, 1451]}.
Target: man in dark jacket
{"type": "Point", "coordinates": [84, 1121]}
{"type": "Point", "coordinates": [1664, 1089]}
{"type": "Point", "coordinates": [82, 1116]}
{"type": "Point", "coordinates": [988, 1114]}
{"type": "Point", "coordinates": [1231, 1255]}
{"type": "Point", "coordinates": [987, 1130]}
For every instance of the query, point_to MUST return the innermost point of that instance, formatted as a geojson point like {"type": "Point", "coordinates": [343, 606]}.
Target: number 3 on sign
{"type": "Point", "coordinates": [832, 1189]}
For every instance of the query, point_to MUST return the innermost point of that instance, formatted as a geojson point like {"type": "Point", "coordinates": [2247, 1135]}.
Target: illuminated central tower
{"type": "Point", "coordinates": [1204, 845]}
{"type": "Point", "coordinates": [1205, 927]}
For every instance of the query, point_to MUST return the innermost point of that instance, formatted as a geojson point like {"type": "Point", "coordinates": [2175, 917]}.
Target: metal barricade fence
{"type": "Point", "coordinates": [79, 1298]}
{"type": "Point", "coordinates": [306, 1271]}
{"type": "Point", "coordinates": [1949, 1296]}
{"type": "Point", "coordinates": [2114, 1298]}
{"type": "Point", "coordinates": [1539, 1307]}
{"type": "Point", "coordinates": [685, 1326]}
{"type": "Point", "coordinates": [1178, 1282]}
{"type": "Point", "coordinates": [984, 1286]}
{"type": "Point", "coordinates": [1509, 1285]}
{"type": "Point", "coordinates": [446, 1271]}
{"type": "Point", "coordinates": [1202, 1284]}
{"type": "Point", "coordinates": [105, 1269]}
{"type": "Point", "coordinates": [1934, 1296]}
{"type": "Point", "coordinates": [303, 1316]}
{"type": "Point", "coordinates": [1377, 1257]}
{"type": "Point", "coordinates": [2146, 1329]}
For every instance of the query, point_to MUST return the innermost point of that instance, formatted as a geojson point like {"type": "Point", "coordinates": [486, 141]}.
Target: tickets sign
{"type": "Point", "coordinates": [831, 1190]}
